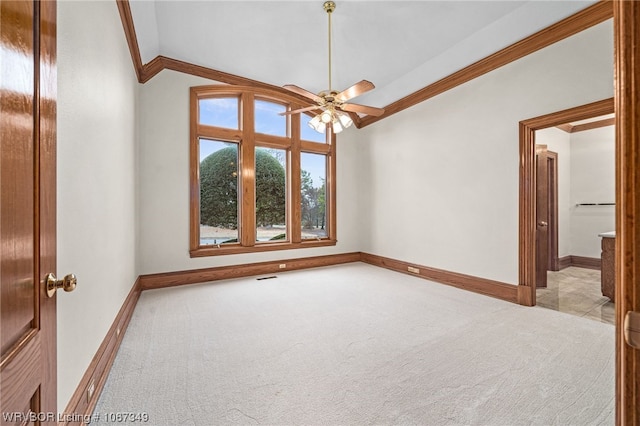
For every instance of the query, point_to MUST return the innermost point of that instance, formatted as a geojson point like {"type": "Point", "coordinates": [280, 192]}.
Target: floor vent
{"type": "Point", "coordinates": [266, 278]}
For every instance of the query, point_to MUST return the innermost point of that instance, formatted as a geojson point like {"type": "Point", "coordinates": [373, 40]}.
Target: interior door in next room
{"type": "Point", "coordinates": [542, 216]}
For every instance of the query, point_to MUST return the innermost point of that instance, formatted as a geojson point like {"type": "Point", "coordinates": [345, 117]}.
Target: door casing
{"type": "Point", "coordinates": [626, 24]}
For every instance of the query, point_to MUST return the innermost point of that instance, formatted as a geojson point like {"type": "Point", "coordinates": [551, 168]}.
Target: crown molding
{"type": "Point", "coordinates": [146, 72]}
{"type": "Point", "coordinates": [580, 21]}
{"type": "Point", "coordinates": [592, 15]}
{"type": "Point", "coordinates": [124, 8]}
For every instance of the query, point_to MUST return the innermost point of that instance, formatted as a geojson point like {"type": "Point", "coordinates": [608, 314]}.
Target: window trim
{"type": "Point", "coordinates": [247, 140]}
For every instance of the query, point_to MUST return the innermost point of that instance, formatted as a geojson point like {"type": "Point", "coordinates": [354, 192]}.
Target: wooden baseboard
{"type": "Point", "coordinates": [586, 262]}
{"type": "Point", "coordinates": [171, 279]}
{"type": "Point", "coordinates": [466, 282]}
{"type": "Point", "coordinates": [564, 262]}
{"type": "Point", "coordinates": [579, 262]}
{"type": "Point", "coordinates": [98, 370]}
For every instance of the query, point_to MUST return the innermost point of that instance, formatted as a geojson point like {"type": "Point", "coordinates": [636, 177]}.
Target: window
{"type": "Point", "coordinates": [218, 192]}
{"type": "Point", "coordinates": [259, 180]}
{"type": "Point", "coordinates": [313, 176]}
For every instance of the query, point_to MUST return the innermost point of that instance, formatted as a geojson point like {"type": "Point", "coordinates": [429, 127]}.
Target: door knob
{"type": "Point", "coordinates": [542, 223]}
{"type": "Point", "coordinates": [68, 283]}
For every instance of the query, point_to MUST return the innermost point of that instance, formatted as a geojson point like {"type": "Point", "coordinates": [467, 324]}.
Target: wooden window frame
{"type": "Point", "coordinates": [247, 141]}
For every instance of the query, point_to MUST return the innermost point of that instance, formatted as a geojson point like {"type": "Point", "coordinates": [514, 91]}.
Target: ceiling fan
{"type": "Point", "coordinates": [334, 104]}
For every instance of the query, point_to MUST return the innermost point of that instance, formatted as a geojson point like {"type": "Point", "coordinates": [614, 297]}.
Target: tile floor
{"type": "Point", "coordinates": [576, 291]}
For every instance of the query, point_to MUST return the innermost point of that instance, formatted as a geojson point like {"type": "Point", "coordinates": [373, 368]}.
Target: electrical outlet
{"type": "Point", "coordinates": [90, 390]}
{"type": "Point", "coordinates": [283, 265]}
{"type": "Point", "coordinates": [413, 270]}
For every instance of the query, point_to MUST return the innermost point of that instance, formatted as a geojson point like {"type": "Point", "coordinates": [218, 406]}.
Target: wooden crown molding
{"type": "Point", "coordinates": [160, 63]}
{"type": "Point", "coordinates": [593, 125]}
{"type": "Point", "coordinates": [146, 72]}
{"type": "Point", "coordinates": [566, 127]}
{"type": "Point", "coordinates": [580, 21]}
{"type": "Point", "coordinates": [130, 33]}
{"type": "Point", "coordinates": [587, 126]}
{"type": "Point", "coordinates": [593, 15]}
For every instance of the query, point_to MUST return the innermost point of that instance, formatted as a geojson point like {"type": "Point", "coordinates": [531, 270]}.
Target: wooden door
{"type": "Point", "coordinates": [542, 216]}
{"type": "Point", "coordinates": [552, 205]}
{"type": "Point", "coordinates": [27, 211]}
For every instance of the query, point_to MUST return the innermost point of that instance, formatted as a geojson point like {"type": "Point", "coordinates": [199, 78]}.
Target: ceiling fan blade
{"type": "Point", "coordinates": [303, 92]}
{"type": "Point", "coordinates": [363, 109]}
{"type": "Point", "coordinates": [295, 111]}
{"type": "Point", "coordinates": [355, 90]}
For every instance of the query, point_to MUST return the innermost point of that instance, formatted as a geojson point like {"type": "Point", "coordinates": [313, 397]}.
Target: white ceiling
{"type": "Point", "coordinates": [400, 46]}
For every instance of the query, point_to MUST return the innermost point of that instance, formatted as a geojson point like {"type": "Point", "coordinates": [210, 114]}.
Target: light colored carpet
{"type": "Point", "coordinates": [355, 344]}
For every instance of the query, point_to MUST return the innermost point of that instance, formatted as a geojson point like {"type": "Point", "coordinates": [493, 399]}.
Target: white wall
{"type": "Point", "coordinates": [96, 181]}
{"type": "Point", "coordinates": [164, 184]}
{"type": "Point", "coordinates": [442, 180]}
{"type": "Point", "coordinates": [559, 142]}
{"type": "Point", "coordinates": [592, 181]}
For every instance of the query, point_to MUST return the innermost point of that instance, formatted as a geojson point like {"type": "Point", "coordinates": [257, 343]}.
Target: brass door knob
{"type": "Point", "coordinates": [68, 283]}
{"type": "Point", "coordinates": [542, 223]}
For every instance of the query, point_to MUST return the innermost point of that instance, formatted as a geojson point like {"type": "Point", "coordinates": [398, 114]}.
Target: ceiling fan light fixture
{"type": "Point", "coordinates": [338, 121]}
{"type": "Point", "coordinates": [316, 124]}
{"type": "Point", "coordinates": [344, 119]}
{"type": "Point", "coordinates": [326, 117]}
{"type": "Point", "coordinates": [336, 126]}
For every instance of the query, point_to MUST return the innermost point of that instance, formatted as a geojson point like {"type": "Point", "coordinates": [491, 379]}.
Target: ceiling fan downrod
{"type": "Point", "coordinates": [329, 7]}
{"type": "Point", "coordinates": [335, 110]}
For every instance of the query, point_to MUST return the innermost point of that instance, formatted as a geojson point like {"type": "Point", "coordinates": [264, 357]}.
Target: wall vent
{"type": "Point", "coordinates": [266, 278]}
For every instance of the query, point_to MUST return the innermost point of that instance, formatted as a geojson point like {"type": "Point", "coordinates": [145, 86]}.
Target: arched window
{"type": "Point", "coordinates": [259, 180]}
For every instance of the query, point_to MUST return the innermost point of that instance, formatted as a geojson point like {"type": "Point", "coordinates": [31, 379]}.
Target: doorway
{"type": "Point", "coordinates": [586, 210]}
{"type": "Point", "coordinates": [530, 226]}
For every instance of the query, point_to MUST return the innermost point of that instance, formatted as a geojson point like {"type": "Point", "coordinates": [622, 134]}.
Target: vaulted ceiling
{"type": "Point", "coordinates": [401, 46]}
